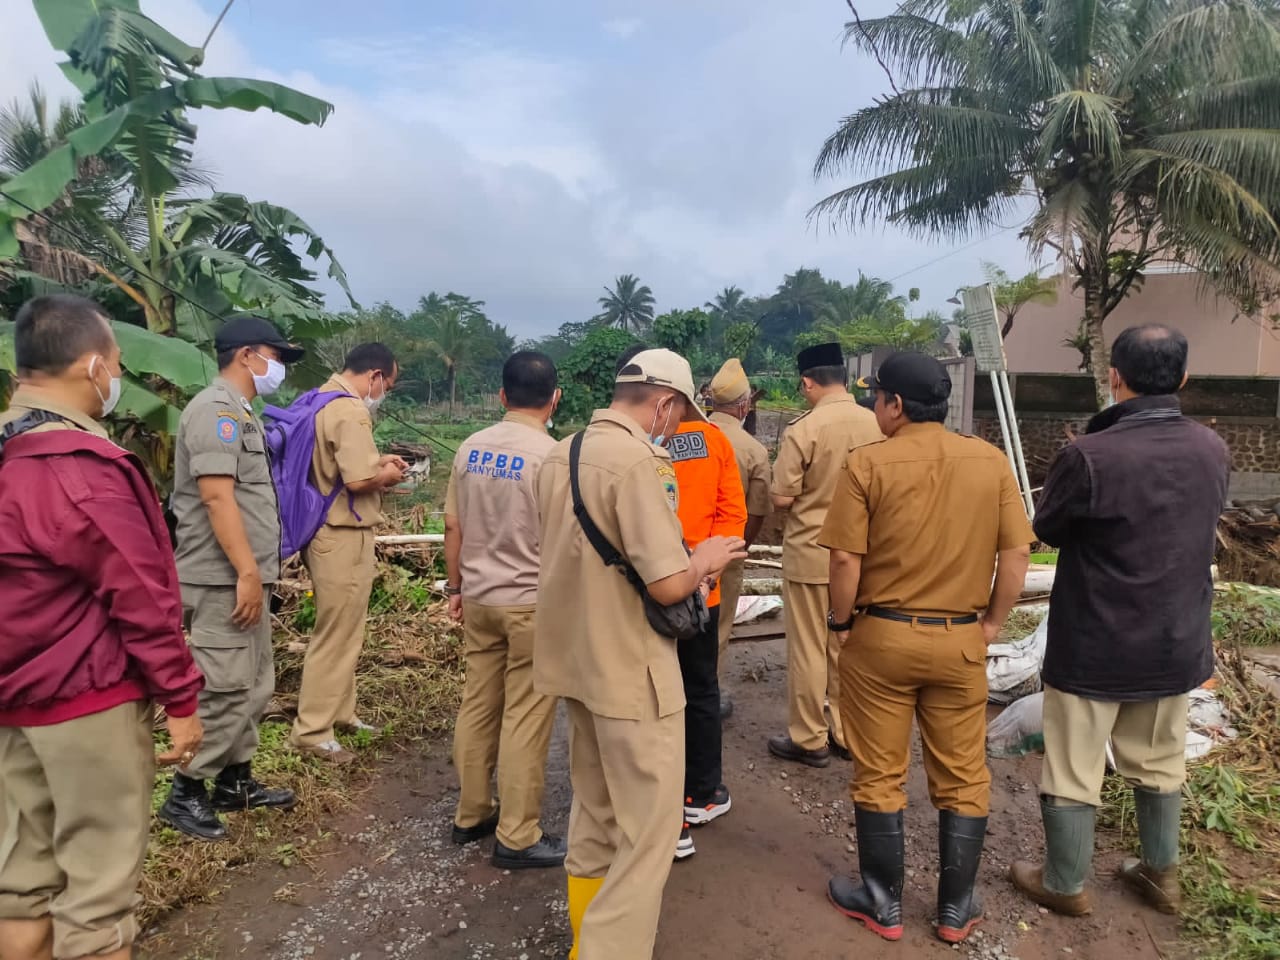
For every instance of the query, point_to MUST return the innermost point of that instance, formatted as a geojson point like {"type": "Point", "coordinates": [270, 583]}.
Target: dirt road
{"type": "Point", "coordinates": [389, 884]}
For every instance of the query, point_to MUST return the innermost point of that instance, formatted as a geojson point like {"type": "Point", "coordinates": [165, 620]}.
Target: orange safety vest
{"type": "Point", "coordinates": [712, 503]}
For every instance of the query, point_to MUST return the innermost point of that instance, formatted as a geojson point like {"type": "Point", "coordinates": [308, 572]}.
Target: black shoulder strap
{"type": "Point", "coordinates": [26, 422]}
{"type": "Point", "coordinates": [607, 551]}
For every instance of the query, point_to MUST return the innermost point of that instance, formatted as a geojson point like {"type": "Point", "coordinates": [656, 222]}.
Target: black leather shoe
{"type": "Point", "coordinates": [547, 852]}
{"type": "Point", "coordinates": [837, 751]}
{"type": "Point", "coordinates": [876, 903]}
{"type": "Point", "coordinates": [485, 828]}
{"type": "Point", "coordinates": [235, 789]}
{"type": "Point", "coordinates": [784, 748]}
{"type": "Point", "coordinates": [189, 811]}
{"type": "Point", "coordinates": [726, 708]}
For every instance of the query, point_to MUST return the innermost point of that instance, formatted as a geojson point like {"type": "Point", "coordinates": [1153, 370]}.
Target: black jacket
{"type": "Point", "coordinates": [1134, 506]}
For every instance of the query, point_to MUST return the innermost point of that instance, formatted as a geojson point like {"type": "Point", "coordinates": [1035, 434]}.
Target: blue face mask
{"type": "Point", "coordinates": [660, 439]}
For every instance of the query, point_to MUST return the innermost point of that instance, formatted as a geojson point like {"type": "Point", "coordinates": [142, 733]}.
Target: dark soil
{"type": "Point", "coordinates": [388, 882]}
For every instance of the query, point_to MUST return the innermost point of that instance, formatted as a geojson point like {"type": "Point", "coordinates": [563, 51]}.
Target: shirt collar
{"type": "Point", "coordinates": [343, 385]}
{"type": "Point", "coordinates": [918, 429]}
{"type": "Point", "coordinates": [619, 419]}
{"type": "Point", "coordinates": [837, 397]}
{"type": "Point", "coordinates": [26, 399]}
{"type": "Point", "coordinates": [1161, 407]}
{"type": "Point", "coordinates": [232, 389]}
{"type": "Point", "coordinates": [516, 416]}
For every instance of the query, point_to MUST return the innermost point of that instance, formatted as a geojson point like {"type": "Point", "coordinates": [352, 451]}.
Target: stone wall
{"type": "Point", "coordinates": [1254, 441]}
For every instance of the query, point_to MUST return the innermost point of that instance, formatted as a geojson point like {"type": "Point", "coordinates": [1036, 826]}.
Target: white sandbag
{"type": "Point", "coordinates": [1019, 729]}
{"type": "Point", "coordinates": [1013, 668]}
{"type": "Point", "coordinates": [751, 609]}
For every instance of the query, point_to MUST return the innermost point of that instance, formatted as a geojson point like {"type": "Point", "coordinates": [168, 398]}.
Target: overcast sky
{"type": "Point", "coordinates": [527, 153]}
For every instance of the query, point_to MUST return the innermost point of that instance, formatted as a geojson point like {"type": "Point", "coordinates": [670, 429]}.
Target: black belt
{"type": "Point", "coordinates": [897, 616]}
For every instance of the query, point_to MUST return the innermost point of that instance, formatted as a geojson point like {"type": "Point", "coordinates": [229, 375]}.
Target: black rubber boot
{"type": "Point", "coordinates": [235, 789]}
{"type": "Point", "coordinates": [877, 901]}
{"type": "Point", "coordinates": [189, 811]}
{"type": "Point", "coordinates": [960, 842]}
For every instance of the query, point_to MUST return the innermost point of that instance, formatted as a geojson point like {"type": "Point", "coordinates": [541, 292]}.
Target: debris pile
{"type": "Point", "coordinates": [1249, 542]}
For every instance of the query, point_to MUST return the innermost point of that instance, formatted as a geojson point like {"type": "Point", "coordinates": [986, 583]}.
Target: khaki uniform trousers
{"type": "Point", "coordinates": [502, 722]}
{"type": "Point", "coordinates": [1148, 739]}
{"type": "Point", "coordinates": [730, 591]}
{"type": "Point", "coordinates": [75, 809]}
{"type": "Point", "coordinates": [239, 676]}
{"type": "Point", "coordinates": [813, 666]}
{"type": "Point", "coordinates": [628, 778]}
{"type": "Point", "coordinates": [342, 566]}
{"type": "Point", "coordinates": [891, 672]}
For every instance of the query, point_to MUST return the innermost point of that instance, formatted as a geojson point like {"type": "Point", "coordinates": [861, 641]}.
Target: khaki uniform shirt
{"type": "Point", "coordinates": [813, 451]}
{"type": "Point", "coordinates": [492, 495]}
{"type": "Point", "coordinates": [753, 464]}
{"type": "Point", "coordinates": [24, 401]}
{"type": "Point", "coordinates": [928, 510]}
{"type": "Point", "coordinates": [345, 453]}
{"type": "Point", "coordinates": [219, 436]}
{"type": "Point", "coordinates": [592, 642]}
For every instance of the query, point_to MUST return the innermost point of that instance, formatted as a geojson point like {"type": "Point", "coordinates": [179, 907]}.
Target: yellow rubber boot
{"type": "Point", "coordinates": [582, 890]}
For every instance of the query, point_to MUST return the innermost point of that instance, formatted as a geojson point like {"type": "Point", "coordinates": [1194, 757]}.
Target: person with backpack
{"type": "Point", "coordinates": [90, 637]}
{"type": "Point", "coordinates": [228, 556]}
{"type": "Point", "coordinates": [347, 468]}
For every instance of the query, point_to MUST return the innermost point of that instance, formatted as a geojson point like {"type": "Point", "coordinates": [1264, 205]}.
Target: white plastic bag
{"type": "Point", "coordinates": [1019, 729]}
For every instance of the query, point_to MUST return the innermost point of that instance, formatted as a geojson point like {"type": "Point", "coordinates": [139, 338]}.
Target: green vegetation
{"type": "Point", "coordinates": [1231, 813]}
{"type": "Point", "coordinates": [105, 197]}
{"type": "Point", "coordinates": [1144, 133]}
{"type": "Point", "coordinates": [1248, 615]}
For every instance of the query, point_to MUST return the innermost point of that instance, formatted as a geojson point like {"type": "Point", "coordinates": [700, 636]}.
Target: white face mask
{"type": "Point", "coordinates": [113, 391]}
{"type": "Point", "coordinates": [372, 402]}
{"type": "Point", "coordinates": [269, 382]}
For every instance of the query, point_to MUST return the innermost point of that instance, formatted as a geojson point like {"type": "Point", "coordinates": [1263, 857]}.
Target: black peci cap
{"type": "Point", "coordinates": [912, 376]}
{"type": "Point", "coordinates": [247, 331]}
{"type": "Point", "coordinates": [822, 355]}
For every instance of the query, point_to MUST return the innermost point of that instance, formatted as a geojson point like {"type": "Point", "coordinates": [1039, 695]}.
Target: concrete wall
{"type": "Point", "coordinates": [1219, 343]}
{"type": "Point", "coordinates": [1254, 444]}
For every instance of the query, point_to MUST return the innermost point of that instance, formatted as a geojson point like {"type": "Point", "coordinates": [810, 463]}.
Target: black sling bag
{"type": "Point", "coordinates": [680, 621]}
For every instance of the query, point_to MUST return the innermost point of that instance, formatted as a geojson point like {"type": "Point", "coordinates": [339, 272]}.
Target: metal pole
{"type": "Point", "coordinates": [1004, 423]}
{"type": "Point", "coordinates": [1023, 479]}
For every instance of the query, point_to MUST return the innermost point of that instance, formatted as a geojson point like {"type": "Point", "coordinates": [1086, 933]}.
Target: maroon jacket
{"type": "Point", "coordinates": [90, 610]}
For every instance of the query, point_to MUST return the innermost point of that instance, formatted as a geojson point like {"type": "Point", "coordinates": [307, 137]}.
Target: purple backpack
{"type": "Point", "coordinates": [291, 442]}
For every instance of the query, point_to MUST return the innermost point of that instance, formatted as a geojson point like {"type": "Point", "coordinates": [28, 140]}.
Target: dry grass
{"type": "Point", "coordinates": [408, 681]}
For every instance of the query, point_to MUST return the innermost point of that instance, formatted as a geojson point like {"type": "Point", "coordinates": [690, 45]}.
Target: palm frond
{"type": "Point", "coordinates": [1081, 121]}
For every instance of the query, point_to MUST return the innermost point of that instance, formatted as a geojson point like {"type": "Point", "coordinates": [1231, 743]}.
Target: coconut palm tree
{"type": "Point", "coordinates": [730, 306]}
{"type": "Point", "coordinates": [1140, 132]}
{"type": "Point", "coordinates": [1012, 295]}
{"type": "Point", "coordinates": [450, 340]}
{"type": "Point", "coordinates": [628, 306]}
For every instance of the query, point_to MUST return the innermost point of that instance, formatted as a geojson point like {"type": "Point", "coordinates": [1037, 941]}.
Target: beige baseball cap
{"type": "Point", "coordinates": [663, 368]}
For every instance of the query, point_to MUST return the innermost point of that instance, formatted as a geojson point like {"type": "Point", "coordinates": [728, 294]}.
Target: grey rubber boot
{"type": "Point", "coordinates": [1068, 841]}
{"type": "Point", "coordinates": [1155, 876]}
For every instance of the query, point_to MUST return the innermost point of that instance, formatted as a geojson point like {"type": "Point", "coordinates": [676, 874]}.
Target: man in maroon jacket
{"type": "Point", "coordinates": [90, 635]}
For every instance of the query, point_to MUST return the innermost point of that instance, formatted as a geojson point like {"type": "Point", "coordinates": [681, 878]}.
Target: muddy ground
{"type": "Point", "coordinates": [389, 884]}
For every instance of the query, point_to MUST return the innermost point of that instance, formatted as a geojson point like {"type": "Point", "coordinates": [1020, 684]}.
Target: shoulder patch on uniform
{"type": "Point", "coordinates": [667, 475]}
{"type": "Point", "coordinates": [791, 423]}
{"type": "Point", "coordinates": [688, 446]}
{"type": "Point", "coordinates": [228, 429]}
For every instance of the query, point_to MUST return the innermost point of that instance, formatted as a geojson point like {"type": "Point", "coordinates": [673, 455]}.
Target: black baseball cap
{"type": "Point", "coordinates": [912, 376]}
{"type": "Point", "coordinates": [248, 331]}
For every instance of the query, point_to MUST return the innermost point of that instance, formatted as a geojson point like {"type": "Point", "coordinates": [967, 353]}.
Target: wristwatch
{"type": "Point", "coordinates": [452, 591]}
{"type": "Point", "coordinates": [838, 627]}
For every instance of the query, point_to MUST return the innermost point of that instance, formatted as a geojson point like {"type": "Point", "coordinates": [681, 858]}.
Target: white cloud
{"type": "Point", "coordinates": [624, 28]}
{"type": "Point", "coordinates": [529, 179]}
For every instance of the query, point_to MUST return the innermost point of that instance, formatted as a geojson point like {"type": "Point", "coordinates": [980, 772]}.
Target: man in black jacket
{"type": "Point", "coordinates": [1134, 506]}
